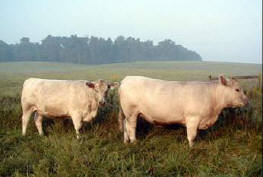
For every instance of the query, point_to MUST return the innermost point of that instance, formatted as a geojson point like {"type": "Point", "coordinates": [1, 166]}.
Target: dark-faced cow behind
{"type": "Point", "coordinates": [193, 104]}
{"type": "Point", "coordinates": [78, 100]}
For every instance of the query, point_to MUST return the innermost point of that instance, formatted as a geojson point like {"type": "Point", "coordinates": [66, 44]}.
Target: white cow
{"type": "Point", "coordinates": [78, 100]}
{"type": "Point", "coordinates": [193, 104]}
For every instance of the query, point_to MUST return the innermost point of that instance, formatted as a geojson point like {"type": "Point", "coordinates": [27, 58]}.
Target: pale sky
{"type": "Point", "coordinates": [219, 30]}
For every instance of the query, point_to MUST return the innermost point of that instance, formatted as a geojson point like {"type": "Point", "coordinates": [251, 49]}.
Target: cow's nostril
{"type": "Point", "coordinates": [102, 103]}
{"type": "Point", "coordinates": [246, 101]}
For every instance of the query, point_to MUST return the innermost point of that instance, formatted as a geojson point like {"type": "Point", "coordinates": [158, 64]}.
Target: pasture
{"type": "Point", "coordinates": [232, 147]}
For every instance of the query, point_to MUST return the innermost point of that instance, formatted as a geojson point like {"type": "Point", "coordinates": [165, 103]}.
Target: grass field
{"type": "Point", "coordinates": [232, 147]}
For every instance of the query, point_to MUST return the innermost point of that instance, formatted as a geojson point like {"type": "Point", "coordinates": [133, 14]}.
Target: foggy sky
{"type": "Point", "coordinates": [219, 30]}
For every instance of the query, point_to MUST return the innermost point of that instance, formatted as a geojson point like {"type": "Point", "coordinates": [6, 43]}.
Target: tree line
{"type": "Point", "coordinates": [95, 50]}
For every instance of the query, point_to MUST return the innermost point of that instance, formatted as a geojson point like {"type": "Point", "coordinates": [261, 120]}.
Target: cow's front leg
{"type": "Point", "coordinates": [38, 122]}
{"type": "Point", "coordinates": [191, 126]}
{"type": "Point", "coordinates": [77, 122]}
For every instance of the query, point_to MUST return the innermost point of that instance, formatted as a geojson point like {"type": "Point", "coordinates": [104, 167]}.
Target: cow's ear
{"type": "Point", "coordinates": [90, 85]}
{"type": "Point", "coordinates": [100, 82]}
{"type": "Point", "coordinates": [222, 80]}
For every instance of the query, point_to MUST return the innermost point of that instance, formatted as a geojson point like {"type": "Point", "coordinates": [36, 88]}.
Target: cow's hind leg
{"type": "Point", "coordinates": [77, 122]}
{"type": "Point", "coordinates": [130, 128]}
{"type": "Point", "coordinates": [25, 119]}
{"type": "Point", "coordinates": [125, 132]}
{"type": "Point", "coordinates": [38, 122]}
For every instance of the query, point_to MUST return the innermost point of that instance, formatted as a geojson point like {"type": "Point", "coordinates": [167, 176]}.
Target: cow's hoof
{"type": "Point", "coordinates": [134, 142]}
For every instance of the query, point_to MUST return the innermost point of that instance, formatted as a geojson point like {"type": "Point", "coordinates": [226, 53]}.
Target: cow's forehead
{"type": "Point", "coordinates": [235, 83]}
{"type": "Point", "coordinates": [103, 84]}
{"type": "Point", "coordinates": [100, 82]}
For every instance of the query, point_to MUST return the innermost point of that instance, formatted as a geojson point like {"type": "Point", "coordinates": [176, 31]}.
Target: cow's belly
{"type": "Point", "coordinates": [169, 122]}
{"type": "Point", "coordinates": [164, 117]}
{"type": "Point", "coordinates": [154, 109]}
{"type": "Point", "coordinates": [58, 111]}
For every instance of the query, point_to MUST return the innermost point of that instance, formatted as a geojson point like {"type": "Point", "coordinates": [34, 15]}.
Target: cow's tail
{"type": "Point", "coordinates": [121, 115]}
{"type": "Point", "coordinates": [121, 119]}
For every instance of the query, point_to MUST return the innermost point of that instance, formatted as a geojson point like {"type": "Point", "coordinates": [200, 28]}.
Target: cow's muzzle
{"type": "Point", "coordinates": [247, 102]}
{"type": "Point", "coordinates": [102, 103]}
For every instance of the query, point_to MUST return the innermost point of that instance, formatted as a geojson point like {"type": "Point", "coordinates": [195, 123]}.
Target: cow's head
{"type": "Point", "coordinates": [233, 94]}
{"type": "Point", "coordinates": [113, 85]}
{"type": "Point", "coordinates": [101, 88]}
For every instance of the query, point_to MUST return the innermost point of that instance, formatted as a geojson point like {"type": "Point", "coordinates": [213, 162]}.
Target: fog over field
{"type": "Point", "coordinates": [218, 30]}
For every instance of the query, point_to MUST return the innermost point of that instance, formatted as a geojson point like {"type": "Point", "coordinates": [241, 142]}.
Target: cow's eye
{"type": "Point", "coordinates": [237, 90]}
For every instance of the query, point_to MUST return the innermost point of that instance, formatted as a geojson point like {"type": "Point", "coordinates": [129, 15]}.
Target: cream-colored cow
{"type": "Point", "coordinates": [193, 104]}
{"type": "Point", "coordinates": [78, 100]}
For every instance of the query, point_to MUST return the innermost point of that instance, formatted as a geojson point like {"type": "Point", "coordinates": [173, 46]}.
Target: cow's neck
{"type": "Point", "coordinates": [220, 100]}
{"type": "Point", "coordinates": [217, 105]}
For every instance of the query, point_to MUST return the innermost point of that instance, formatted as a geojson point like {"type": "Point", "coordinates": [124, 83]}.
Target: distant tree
{"type": "Point", "coordinates": [6, 53]}
{"type": "Point", "coordinates": [94, 50]}
{"type": "Point", "coordinates": [24, 40]}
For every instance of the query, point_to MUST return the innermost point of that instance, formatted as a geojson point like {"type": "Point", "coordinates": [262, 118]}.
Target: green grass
{"type": "Point", "coordinates": [232, 147]}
